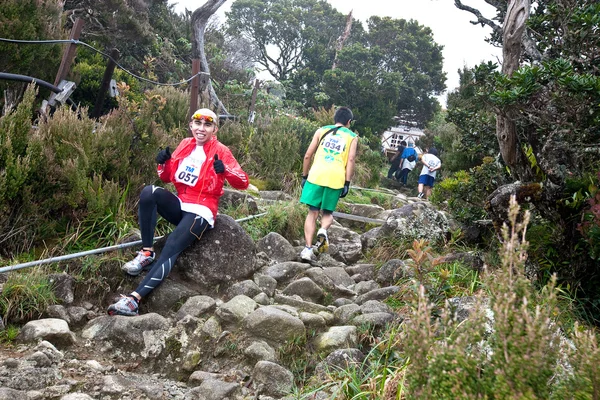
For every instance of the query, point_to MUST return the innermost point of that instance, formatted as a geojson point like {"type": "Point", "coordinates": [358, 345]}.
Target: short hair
{"type": "Point", "coordinates": [342, 115]}
{"type": "Point", "coordinates": [403, 143]}
{"type": "Point", "coordinates": [433, 151]}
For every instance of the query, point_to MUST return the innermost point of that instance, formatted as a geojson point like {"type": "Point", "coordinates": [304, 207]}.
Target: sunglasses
{"type": "Point", "coordinates": [207, 118]}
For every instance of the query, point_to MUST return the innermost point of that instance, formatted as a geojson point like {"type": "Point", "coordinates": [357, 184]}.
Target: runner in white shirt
{"type": "Point", "coordinates": [431, 163]}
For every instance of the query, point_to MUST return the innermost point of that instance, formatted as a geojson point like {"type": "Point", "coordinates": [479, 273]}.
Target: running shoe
{"type": "Point", "coordinates": [322, 244]}
{"type": "Point", "coordinates": [126, 305]}
{"type": "Point", "coordinates": [143, 259]}
{"type": "Point", "coordinates": [306, 254]}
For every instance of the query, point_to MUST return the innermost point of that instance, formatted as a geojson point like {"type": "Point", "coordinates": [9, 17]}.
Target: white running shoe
{"type": "Point", "coordinates": [127, 305]}
{"type": "Point", "coordinates": [143, 259]}
{"type": "Point", "coordinates": [322, 244]}
{"type": "Point", "coordinates": [307, 254]}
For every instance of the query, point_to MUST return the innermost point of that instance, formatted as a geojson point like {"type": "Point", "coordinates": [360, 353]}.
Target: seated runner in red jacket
{"type": "Point", "coordinates": [198, 168]}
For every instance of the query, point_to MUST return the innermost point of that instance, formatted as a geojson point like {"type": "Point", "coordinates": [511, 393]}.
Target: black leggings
{"type": "Point", "coordinates": [189, 227]}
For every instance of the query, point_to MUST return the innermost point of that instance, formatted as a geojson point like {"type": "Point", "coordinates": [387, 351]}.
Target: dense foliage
{"type": "Point", "coordinates": [390, 68]}
{"type": "Point", "coordinates": [29, 20]}
{"type": "Point", "coordinates": [554, 100]}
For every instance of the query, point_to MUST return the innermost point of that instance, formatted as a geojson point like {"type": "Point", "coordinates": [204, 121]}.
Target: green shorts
{"type": "Point", "coordinates": [320, 197]}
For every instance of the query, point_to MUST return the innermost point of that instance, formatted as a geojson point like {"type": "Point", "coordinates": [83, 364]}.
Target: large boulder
{"type": "Point", "coordinates": [126, 336]}
{"type": "Point", "coordinates": [277, 247]}
{"type": "Point", "coordinates": [419, 220]}
{"type": "Point", "coordinates": [223, 255]}
{"type": "Point", "coordinates": [344, 244]}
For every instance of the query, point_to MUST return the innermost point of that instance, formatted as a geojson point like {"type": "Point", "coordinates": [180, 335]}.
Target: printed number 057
{"type": "Point", "coordinates": [187, 177]}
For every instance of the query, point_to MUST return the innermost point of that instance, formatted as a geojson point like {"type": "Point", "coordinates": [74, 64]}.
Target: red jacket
{"type": "Point", "coordinates": [209, 186]}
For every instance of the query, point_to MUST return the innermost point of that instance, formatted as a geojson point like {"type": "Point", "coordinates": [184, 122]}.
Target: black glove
{"type": "Point", "coordinates": [218, 165]}
{"type": "Point", "coordinates": [304, 178]}
{"type": "Point", "coordinates": [163, 156]}
{"type": "Point", "coordinates": [345, 189]}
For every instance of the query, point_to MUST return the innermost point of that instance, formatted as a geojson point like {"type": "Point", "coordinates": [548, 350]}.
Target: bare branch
{"type": "Point", "coordinates": [480, 18]}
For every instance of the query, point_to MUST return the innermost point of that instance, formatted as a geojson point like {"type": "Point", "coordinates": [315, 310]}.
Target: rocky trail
{"type": "Point", "coordinates": [235, 319]}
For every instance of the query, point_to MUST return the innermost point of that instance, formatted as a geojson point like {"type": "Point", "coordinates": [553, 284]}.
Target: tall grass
{"type": "Point", "coordinates": [510, 347]}
{"type": "Point", "coordinates": [25, 296]}
{"type": "Point", "coordinates": [287, 219]}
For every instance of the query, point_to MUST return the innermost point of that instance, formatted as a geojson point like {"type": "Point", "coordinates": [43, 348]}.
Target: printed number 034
{"type": "Point", "coordinates": [333, 146]}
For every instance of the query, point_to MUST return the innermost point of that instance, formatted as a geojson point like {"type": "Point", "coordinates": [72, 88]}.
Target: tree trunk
{"type": "Point", "coordinates": [199, 21]}
{"type": "Point", "coordinates": [342, 39]}
{"type": "Point", "coordinates": [506, 129]}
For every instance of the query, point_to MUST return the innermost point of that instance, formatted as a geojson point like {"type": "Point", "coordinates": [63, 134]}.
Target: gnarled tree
{"type": "Point", "coordinates": [200, 19]}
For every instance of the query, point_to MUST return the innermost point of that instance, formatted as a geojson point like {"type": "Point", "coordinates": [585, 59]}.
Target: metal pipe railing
{"type": "Point", "coordinates": [94, 251]}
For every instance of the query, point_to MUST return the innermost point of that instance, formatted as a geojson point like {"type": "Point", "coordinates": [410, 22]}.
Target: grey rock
{"type": "Point", "coordinates": [234, 198]}
{"type": "Point", "coordinates": [366, 271]}
{"type": "Point", "coordinates": [196, 306]}
{"type": "Point", "coordinates": [141, 335]}
{"type": "Point", "coordinates": [77, 396]}
{"type": "Point", "coordinates": [337, 360]}
{"type": "Point", "coordinates": [197, 377]}
{"type": "Point", "coordinates": [336, 338]}
{"type": "Point", "coordinates": [12, 394]}
{"type": "Point", "coordinates": [262, 299]}
{"type": "Point", "coordinates": [260, 351]}
{"type": "Point", "coordinates": [378, 294]}
{"type": "Point", "coordinates": [299, 303]}
{"type": "Point", "coordinates": [62, 286]}
{"type": "Point", "coordinates": [236, 309]}
{"type": "Point", "coordinates": [377, 319]}
{"type": "Point", "coordinates": [247, 288]}
{"type": "Point", "coordinates": [344, 245]}
{"type": "Point", "coordinates": [78, 316]}
{"type": "Point", "coordinates": [212, 389]}
{"type": "Point", "coordinates": [365, 286]}
{"type": "Point", "coordinates": [370, 238]}
{"type": "Point", "coordinates": [284, 272]}
{"type": "Point", "coordinates": [392, 271]}
{"type": "Point", "coordinates": [231, 256]}
{"type": "Point", "coordinates": [311, 320]}
{"type": "Point", "coordinates": [342, 301]}
{"type": "Point", "coordinates": [167, 298]}
{"type": "Point", "coordinates": [53, 330]}
{"type": "Point", "coordinates": [58, 311]}
{"type": "Point", "coordinates": [344, 314]}
{"type": "Point", "coordinates": [277, 195]}
{"type": "Point", "coordinates": [273, 325]}
{"type": "Point", "coordinates": [374, 306]}
{"type": "Point", "coordinates": [272, 379]}
{"type": "Point", "coordinates": [305, 288]}
{"type": "Point", "coordinates": [266, 283]}
{"type": "Point", "coordinates": [277, 247]}
{"type": "Point", "coordinates": [470, 259]}
{"type": "Point", "coordinates": [414, 221]}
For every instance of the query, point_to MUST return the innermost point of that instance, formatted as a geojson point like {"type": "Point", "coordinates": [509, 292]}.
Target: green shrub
{"type": "Point", "coordinates": [172, 111]}
{"type": "Point", "coordinates": [518, 358]}
{"type": "Point", "coordinates": [274, 153]}
{"type": "Point", "coordinates": [463, 193]}
{"type": "Point", "coordinates": [87, 74]}
{"type": "Point", "coordinates": [30, 20]}
{"type": "Point", "coordinates": [75, 177]}
{"type": "Point", "coordinates": [368, 166]}
{"type": "Point", "coordinates": [9, 334]}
